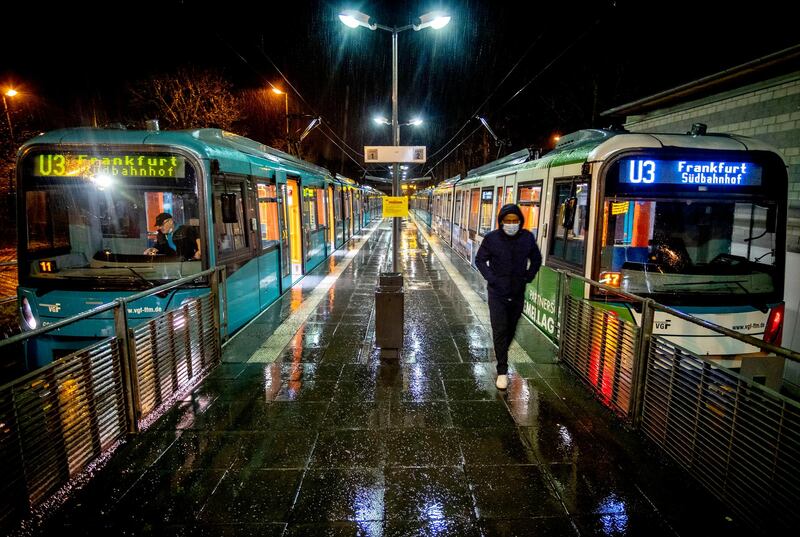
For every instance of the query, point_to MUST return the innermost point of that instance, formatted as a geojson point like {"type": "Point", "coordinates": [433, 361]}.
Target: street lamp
{"type": "Point", "coordinates": [10, 92]}
{"type": "Point", "coordinates": [433, 19]}
{"type": "Point", "coordinates": [380, 120]}
{"type": "Point", "coordinates": [276, 91]}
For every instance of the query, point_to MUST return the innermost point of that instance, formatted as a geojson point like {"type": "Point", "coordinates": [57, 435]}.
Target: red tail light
{"type": "Point", "coordinates": [773, 332]}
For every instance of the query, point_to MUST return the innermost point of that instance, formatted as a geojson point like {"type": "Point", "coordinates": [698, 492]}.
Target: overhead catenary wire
{"type": "Point", "coordinates": [314, 112]}
{"type": "Point", "coordinates": [491, 94]}
{"type": "Point", "coordinates": [518, 92]}
{"type": "Point", "coordinates": [297, 92]}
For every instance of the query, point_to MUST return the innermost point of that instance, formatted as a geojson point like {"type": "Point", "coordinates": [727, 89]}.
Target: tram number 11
{"type": "Point", "coordinates": [641, 171]}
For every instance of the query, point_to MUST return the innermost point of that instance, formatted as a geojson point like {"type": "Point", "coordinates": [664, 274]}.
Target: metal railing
{"type": "Point", "coordinates": [738, 438]}
{"type": "Point", "coordinates": [59, 420]}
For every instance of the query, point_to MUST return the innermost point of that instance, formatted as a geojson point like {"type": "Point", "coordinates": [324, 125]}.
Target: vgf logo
{"type": "Point", "coordinates": [662, 325]}
{"type": "Point", "coordinates": [52, 308]}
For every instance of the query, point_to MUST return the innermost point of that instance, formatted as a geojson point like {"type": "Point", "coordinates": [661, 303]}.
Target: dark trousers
{"type": "Point", "coordinates": [504, 314]}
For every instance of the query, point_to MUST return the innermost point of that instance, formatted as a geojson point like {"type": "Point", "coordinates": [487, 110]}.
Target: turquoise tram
{"type": "Point", "coordinates": [90, 200]}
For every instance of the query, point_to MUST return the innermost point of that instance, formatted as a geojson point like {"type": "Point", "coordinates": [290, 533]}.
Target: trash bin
{"type": "Point", "coordinates": [389, 305]}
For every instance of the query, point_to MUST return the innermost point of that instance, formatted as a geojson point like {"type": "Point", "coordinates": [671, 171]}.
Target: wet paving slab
{"type": "Point", "coordinates": [321, 436]}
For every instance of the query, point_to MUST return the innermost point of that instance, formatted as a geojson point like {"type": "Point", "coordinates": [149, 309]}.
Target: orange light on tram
{"type": "Point", "coordinates": [612, 279]}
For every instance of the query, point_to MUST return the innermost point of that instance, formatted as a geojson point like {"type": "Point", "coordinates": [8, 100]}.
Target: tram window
{"type": "Point", "coordinates": [652, 245]}
{"type": "Point", "coordinates": [228, 203]}
{"type": "Point", "coordinates": [309, 213]}
{"type": "Point", "coordinates": [487, 217]}
{"type": "Point", "coordinates": [321, 220]}
{"type": "Point", "coordinates": [119, 218]}
{"type": "Point", "coordinates": [449, 205]}
{"type": "Point", "coordinates": [230, 236]}
{"type": "Point", "coordinates": [457, 210]}
{"type": "Point", "coordinates": [465, 210]}
{"type": "Point", "coordinates": [509, 195]}
{"type": "Point", "coordinates": [474, 207]}
{"type": "Point", "coordinates": [569, 242]}
{"type": "Point", "coordinates": [504, 199]}
{"type": "Point", "coordinates": [268, 215]}
{"type": "Point", "coordinates": [337, 204]}
{"type": "Point", "coordinates": [529, 201]}
{"type": "Point", "coordinates": [49, 219]}
{"type": "Point", "coordinates": [347, 204]}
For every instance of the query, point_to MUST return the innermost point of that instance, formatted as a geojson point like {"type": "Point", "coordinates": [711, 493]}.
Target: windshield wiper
{"type": "Point", "coordinates": [147, 282]}
{"type": "Point", "coordinates": [710, 282]}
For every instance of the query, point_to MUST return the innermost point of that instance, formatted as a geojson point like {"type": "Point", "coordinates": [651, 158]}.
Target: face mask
{"type": "Point", "coordinates": [510, 229]}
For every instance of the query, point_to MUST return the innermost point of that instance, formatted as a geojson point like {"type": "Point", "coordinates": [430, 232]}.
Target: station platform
{"type": "Point", "coordinates": [305, 430]}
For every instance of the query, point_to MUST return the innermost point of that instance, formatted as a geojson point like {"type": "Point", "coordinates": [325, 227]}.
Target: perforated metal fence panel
{"type": "Point", "coordinates": [56, 421]}
{"type": "Point", "coordinates": [739, 439]}
{"type": "Point", "coordinates": [173, 351]}
{"type": "Point", "coordinates": [600, 348]}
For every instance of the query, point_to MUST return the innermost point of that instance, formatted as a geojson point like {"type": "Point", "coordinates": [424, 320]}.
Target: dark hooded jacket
{"type": "Point", "coordinates": [508, 262]}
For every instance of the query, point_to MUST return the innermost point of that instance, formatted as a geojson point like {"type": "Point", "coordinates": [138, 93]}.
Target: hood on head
{"type": "Point", "coordinates": [508, 209]}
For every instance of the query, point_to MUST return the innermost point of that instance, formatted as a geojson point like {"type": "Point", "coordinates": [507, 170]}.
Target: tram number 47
{"type": "Point", "coordinates": [642, 171]}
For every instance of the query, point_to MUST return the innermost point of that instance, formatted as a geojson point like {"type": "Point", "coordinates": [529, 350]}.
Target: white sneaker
{"type": "Point", "coordinates": [502, 382]}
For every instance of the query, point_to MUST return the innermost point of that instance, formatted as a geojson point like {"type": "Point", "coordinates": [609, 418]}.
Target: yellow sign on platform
{"type": "Point", "coordinates": [395, 206]}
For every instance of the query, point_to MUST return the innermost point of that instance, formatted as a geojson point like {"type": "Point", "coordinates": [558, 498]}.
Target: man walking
{"type": "Point", "coordinates": [508, 259]}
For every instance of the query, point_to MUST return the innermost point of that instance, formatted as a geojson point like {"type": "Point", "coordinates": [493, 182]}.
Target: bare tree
{"type": "Point", "coordinates": [188, 98]}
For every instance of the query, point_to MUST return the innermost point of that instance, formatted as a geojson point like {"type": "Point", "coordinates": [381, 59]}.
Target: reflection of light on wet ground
{"type": "Point", "coordinates": [272, 382]}
{"type": "Point", "coordinates": [370, 529]}
{"type": "Point", "coordinates": [614, 519]}
{"type": "Point", "coordinates": [566, 437]}
{"type": "Point", "coordinates": [198, 406]}
{"type": "Point", "coordinates": [368, 504]}
{"type": "Point", "coordinates": [478, 370]}
{"type": "Point", "coordinates": [416, 382]}
{"type": "Point", "coordinates": [520, 407]}
{"type": "Point", "coordinates": [297, 299]}
{"type": "Point", "coordinates": [415, 336]}
{"type": "Point", "coordinates": [519, 389]}
{"type": "Point", "coordinates": [432, 510]}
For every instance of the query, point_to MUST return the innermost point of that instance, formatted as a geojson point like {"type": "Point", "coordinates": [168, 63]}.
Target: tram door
{"type": "Point", "coordinates": [331, 222]}
{"type": "Point", "coordinates": [283, 218]}
{"type": "Point", "coordinates": [346, 213]}
{"type": "Point", "coordinates": [293, 201]}
{"type": "Point", "coordinates": [268, 243]}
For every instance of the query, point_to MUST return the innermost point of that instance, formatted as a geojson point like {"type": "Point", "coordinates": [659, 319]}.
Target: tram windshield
{"type": "Point", "coordinates": [681, 250]}
{"type": "Point", "coordinates": [108, 230]}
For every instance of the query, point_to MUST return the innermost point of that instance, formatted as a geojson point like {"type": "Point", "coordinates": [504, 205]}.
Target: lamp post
{"type": "Point", "coordinates": [9, 93]}
{"type": "Point", "coordinates": [276, 91]}
{"type": "Point", "coordinates": [434, 20]}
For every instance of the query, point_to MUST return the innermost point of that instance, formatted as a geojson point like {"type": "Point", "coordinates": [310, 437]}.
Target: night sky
{"type": "Point", "coordinates": [565, 62]}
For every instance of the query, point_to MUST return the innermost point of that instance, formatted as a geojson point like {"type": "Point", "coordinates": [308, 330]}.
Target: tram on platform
{"type": "Point", "coordinates": [89, 201]}
{"type": "Point", "coordinates": [694, 221]}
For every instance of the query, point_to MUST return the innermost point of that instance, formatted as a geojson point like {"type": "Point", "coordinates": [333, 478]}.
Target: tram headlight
{"type": "Point", "coordinates": [27, 314]}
